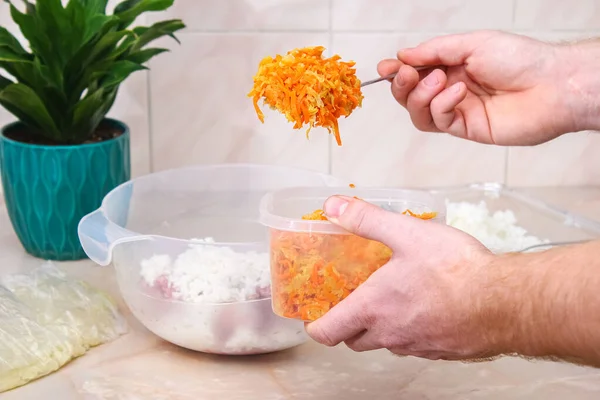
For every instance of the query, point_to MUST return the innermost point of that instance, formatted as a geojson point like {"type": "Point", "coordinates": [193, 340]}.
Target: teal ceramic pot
{"type": "Point", "coordinates": [48, 189]}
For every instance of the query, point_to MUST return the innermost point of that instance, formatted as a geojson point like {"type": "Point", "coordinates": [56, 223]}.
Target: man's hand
{"type": "Point", "coordinates": [443, 295]}
{"type": "Point", "coordinates": [499, 88]}
{"type": "Point", "coordinates": [428, 301]}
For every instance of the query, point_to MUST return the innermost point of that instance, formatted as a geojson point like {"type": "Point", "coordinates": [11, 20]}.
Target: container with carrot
{"type": "Point", "coordinates": [316, 264]}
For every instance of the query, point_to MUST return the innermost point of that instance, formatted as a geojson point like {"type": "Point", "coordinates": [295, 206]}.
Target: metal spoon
{"type": "Point", "coordinates": [391, 76]}
{"type": "Point", "coordinates": [552, 244]}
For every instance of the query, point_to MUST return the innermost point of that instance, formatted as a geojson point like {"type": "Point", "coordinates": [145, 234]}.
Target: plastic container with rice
{"type": "Point", "coordinates": [210, 294]}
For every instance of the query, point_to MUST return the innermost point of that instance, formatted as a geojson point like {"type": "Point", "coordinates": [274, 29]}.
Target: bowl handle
{"type": "Point", "coordinates": [98, 237]}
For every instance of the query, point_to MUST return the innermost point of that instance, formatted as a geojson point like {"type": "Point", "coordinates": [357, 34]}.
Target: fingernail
{"type": "Point", "coordinates": [431, 79]}
{"type": "Point", "coordinates": [400, 55]}
{"type": "Point", "coordinates": [398, 79]}
{"type": "Point", "coordinates": [335, 206]}
{"type": "Point", "coordinates": [455, 88]}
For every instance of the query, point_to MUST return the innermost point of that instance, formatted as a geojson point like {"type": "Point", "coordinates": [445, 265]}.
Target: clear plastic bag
{"type": "Point", "coordinates": [47, 319]}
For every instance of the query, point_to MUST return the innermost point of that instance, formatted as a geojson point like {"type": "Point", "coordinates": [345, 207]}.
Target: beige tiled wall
{"type": "Point", "coordinates": [192, 106]}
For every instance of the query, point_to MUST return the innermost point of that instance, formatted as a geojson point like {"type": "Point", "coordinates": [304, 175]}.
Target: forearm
{"type": "Point", "coordinates": [580, 70]}
{"type": "Point", "coordinates": [551, 303]}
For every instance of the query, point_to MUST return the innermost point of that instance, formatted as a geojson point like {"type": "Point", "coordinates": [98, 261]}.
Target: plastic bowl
{"type": "Point", "coordinates": [316, 264]}
{"type": "Point", "coordinates": [145, 229]}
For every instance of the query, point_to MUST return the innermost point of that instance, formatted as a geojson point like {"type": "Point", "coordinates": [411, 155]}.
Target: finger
{"type": "Point", "coordinates": [391, 66]}
{"type": "Point", "coordinates": [444, 113]}
{"type": "Point", "coordinates": [364, 341]}
{"type": "Point", "coordinates": [388, 67]}
{"type": "Point", "coordinates": [403, 83]}
{"type": "Point", "coordinates": [345, 320]}
{"type": "Point", "coordinates": [428, 355]}
{"type": "Point", "coordinates": [372, 222]}
{"type": "Point", "coordinates": [407, 351]}
{"type": "Point", "coordinates": [447, 50]}
{"type": "Point", "coordinates": [419, 100]}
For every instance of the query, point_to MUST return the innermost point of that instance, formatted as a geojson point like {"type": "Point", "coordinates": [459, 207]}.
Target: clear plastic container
{"type": "Point", "coordinates": [553, 225]}
{"type": "Point", "coordinates": [316, 264]}
{"type": "Point", "coordinates": [145, 228]}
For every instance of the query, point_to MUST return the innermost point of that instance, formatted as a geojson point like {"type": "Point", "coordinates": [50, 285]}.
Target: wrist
{"type": "Point", "coordinates": [544, 304]}
{"type": "Point", "coordinates": [522, 297]}
{"type": "Point", "coordinates": [578, 79]}
{"type": "Point", "coordinates": [502, 306]}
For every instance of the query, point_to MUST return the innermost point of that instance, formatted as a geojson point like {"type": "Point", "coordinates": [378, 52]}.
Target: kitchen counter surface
{"type": "Point", "coordinates": [141, 366]}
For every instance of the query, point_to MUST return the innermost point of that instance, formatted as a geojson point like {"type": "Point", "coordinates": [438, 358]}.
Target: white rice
{"type": "Point", "coordinates": [211, 286]}
{"type": "Point", "coordinates": [498, 231]}
{"type": "Point", "coordinates": [211, 274]}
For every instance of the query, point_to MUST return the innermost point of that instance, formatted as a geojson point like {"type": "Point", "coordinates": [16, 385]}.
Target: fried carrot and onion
{"type": "Point", "coordinates": [308, 88]}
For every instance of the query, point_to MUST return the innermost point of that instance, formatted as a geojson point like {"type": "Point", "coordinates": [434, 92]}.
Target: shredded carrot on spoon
{"type": "Point", "coordinates": [307, 88]}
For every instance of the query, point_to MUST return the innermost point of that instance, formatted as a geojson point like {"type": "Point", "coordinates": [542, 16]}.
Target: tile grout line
{"type": "Point", "coordinates": [514, 14]}
{"type": "Point", "coordinates": [330, 45]}
{"type": "Point", "coordinates": [374, 32]}
{"type": "Point", "coordinates": [506, 158]}
{"type": "Point", "coordinates": [150, 129]}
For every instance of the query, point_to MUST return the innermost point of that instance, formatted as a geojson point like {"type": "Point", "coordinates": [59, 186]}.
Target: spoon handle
{"type": "Point", "coordinates": [391, 76]}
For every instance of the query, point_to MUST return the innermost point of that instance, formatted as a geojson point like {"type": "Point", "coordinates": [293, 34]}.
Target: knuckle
{"type": "Point", "coordinates": [400, 95]}
{"type": "Point", "coordinates": [440, 119]}
{"type": "Point", "coordinates": [323, 337]}
{"type": "Point", "coordinates": [354, 346]}
{"type": "Point", "coordinates": [367, 314]}
{"type": "Point", "coordinates": [437, 105]}
{"type": "Point", "coordinates": [362, 219]}
{"type": "Point", "coordinates": [386, 341]}
{"type": "Point", "coordinates": [418, 99]}
{"type": "Point", "coordinates": [422, 122]}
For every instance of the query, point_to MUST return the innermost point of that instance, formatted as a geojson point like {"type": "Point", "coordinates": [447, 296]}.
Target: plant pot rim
{"type": "Point", "coordinates": [120, 124]}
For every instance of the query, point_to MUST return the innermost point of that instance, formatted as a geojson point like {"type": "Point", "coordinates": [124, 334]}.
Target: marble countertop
{"type": "Point", "coordinates": [141, 366]}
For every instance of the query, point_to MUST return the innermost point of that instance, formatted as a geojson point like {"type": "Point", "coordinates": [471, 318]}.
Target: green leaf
{"type": "Point", "coordinates": [7, 39]}
{"type": "Point", "coordinates": [34, 76]}
{"type": "Point", "coordinates": [105, 46]}
{"type": "Point", "coordinates": [83, 64]}
{"type": "Point", "coordinates": [50, 92]}
{"type": "Point", "coordinates": [37, 39]}
{"type": "Point", "coordinates": [95, 6]}
{"type": "Point", "coordinates": [123, 47]}
{"type": "Point", "coordinates": [109, 99]}
{"type": "Point", "coordinates": [115, 73]}
{"type": "Point", "coordinates": [29, 7]}
{"type": "Point", "coordinates": [8, 55]}
{"type": "Point", "coordinates": [83, 58]}
{"type": "Point", "coordinates": [24, 72]}
{"type": "Point", "coordinates": [95, 24]}
{"type": "Point", "coordinates": [4, 82]}
{"type": "Point", "coordinates": [129, 10]}
{"type": "Point", "coordinates": [86, 21]}
{"type": "Point", "coordinates": [88, 114]}
{"type": "Point", "coordinates": [20, 66]}
{"type": "Point", "coordinates": [159, 29]}
{"type": "Point", "coordinates": [143, 56]}
{"type": "Point", "coordinates": [65, 28]}
{"type": "Point", "coordinates": [26, 105]}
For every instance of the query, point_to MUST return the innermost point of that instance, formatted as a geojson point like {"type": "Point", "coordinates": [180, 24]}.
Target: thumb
{"type": "Point", "coordinates": [449, 50]}
{"type": "Point", "coordinates": [372, 222]}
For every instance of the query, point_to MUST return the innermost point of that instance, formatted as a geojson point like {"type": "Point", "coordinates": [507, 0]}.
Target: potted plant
{"type": "Point", "coordinates": [62, 155]}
